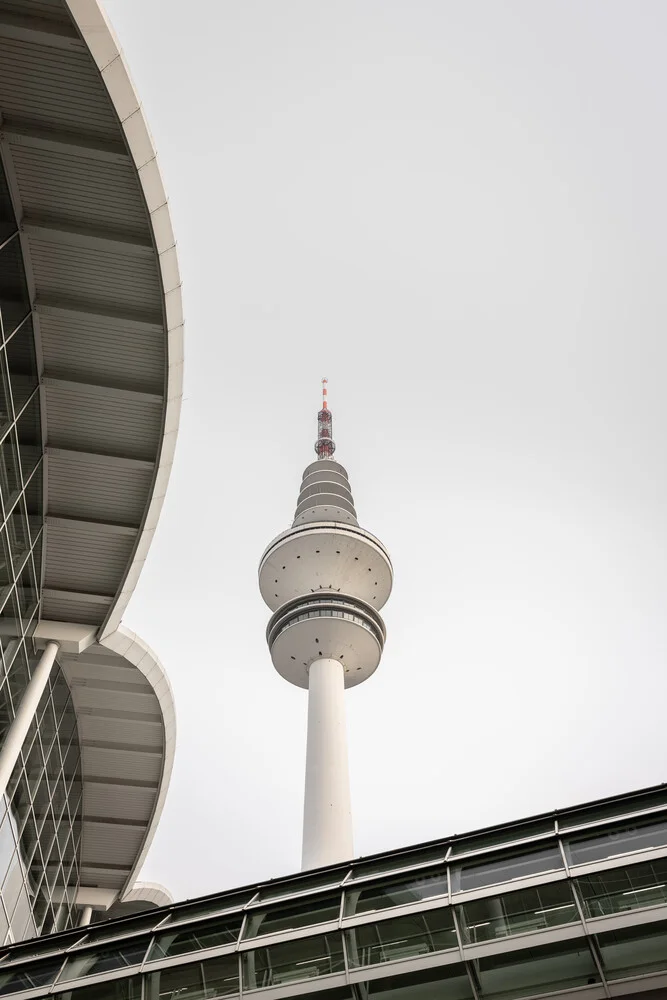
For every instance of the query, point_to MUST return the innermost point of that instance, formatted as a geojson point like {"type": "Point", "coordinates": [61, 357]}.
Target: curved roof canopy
{"type": "Point", "coordinates": [104, 288]}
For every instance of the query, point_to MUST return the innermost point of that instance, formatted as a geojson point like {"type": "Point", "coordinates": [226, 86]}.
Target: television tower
{"type": "Point", "coordinates": [326, 579]}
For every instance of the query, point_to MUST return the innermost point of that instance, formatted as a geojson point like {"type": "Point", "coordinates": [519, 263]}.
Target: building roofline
{"type": "Point", "coordinates": [132, 648]}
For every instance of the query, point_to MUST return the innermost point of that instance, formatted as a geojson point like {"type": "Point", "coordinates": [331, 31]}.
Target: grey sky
{"type": "Point", "coordinates": [455, 211]}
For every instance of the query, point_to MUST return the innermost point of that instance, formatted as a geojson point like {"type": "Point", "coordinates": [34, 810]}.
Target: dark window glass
{"type": "Point", "coordinates": [17, 533]}
{"type": "Point", "coordinates": [14, 301]}
{"type": "Point", "coordinates": [403, 937]}
{"type": "Point", "coordinates": [313, 910]}
{"type": "Point", "coordinates": [505, 867]}
{"type": "Point", "coordinates": [633, 950]}
{"type": "Point", "coordinates": [397, 892]}
{"type": "Point", "coordinates": [496, 838]}
{"type": "Point", "coordinates": [450, 983]}
{"type": "Point", "coordinates": [291, 961]}
{"type": "Point", "coordinates": [117, 989]}
{"type": "Point", "coordinates": [22, 363]}
{"type": "Point", "coordinates": [617, 840]}
{"type": "Point", "coordinates": [119, 956]}
{"type": "Point", "coordinates": [10, 475]}
{"type": "Point", "coordinates": [303, 884]}
{"type": "Point", "coordinates": [29, 976]}
{"type": "Point", "coordinates": [535, 909]}
{"type": "Point", "coordinates": [210, 906]}
{"type": "Point", "coordinates": [396, 862]}
{"type": "Point", "coordinates": [621, 889]}
{"type": "Point", "coordinates": [612, 810]}
{"type": "Point", "coordinates": [212, 934]}
{"type": "Point", "coordinates": [6, 410]}
{"type": "Point", "coordinates": [216, 977]}
{"type": "Point", "coordinates": [537, 970]}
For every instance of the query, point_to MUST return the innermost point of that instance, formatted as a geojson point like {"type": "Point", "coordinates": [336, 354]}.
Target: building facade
{"type": "Point", "coordinates": [568, 903]}
{"type": "Point", "coordinates": [90, 386]}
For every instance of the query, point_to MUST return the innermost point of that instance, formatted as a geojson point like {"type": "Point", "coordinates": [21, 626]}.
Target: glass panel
{"type": "Point", "coordinates": [313, 910]}
{"type": "Point", "coordinates": [305, 884]}
{"type": "Point", "coordinates": [13, 885]}
{"type": "Point", "coordinates": [611, 810]}
{"type": "Point", "coordinates": [291, 961]}
{"type": "Point", "coordinates": [31, 975]}
{"type": "Point", "coordinates": [634, 950]}
{"type": "Point", "coordinates": [4, 923]}
{"type": "Point", "coordinates": [537, 970]}
{"type": "Point", "coordinates": [17, 533]}
{"type": "Point", "coordinates": [21, 362]}
{"type": "Point", "coordinates": [21, 917]}
{"type": "Point", "coordinates": [450, 983]}
{"type": "Point", "coordinates": [6, 712]}
{"type": "Point", "coordinates": [9, 613]}
{"type": "Point", "coordinates": [189, 911]}
{"type": "Point", "coordinates": [496, 838]}
{"type": "Point", "coordinates": [410, 859]}
{"type": "Point", "coordinates": [616, 840]}
{"type": "Point", "coordinates": [624, 888]}
{"type": "Point", "coordinates": [517, 913]}
{"type": "Point", "coordinates": [10, 481]}
{"type": "Point", "coordinates": [398, 892]}
{"type": "Point", "coordinates": [403, 937]}
{"type": "Point", "coordinates": [210, 935]}
{"type": "Point", "coordinates": [117, 989]}
{"type": "Point", "coordinates": [182, 983]}
{"type": "Point", "coordinates": [119, 928]}
{"type": "Point", "coordinates": [121, 956]}
{"type": "Point", "coordinates": [505, 868]}
{"type": "Point", "coordinates": [7, 845]}
{"type": "Point", "coordinates": [14, 301]}
{"type": "Point", "coordinates": [26, 592]}
{"type": "Point", "coordinates": [221, 976]}
{"type": "Point", "coordinates": [217, 977]}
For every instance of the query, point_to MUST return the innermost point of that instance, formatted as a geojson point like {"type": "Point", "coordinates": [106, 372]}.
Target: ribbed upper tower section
{"type": "Point", "coordinates": [325, 495]}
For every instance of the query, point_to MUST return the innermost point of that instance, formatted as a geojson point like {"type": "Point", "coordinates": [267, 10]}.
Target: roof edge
{"type": "Point", "coordinates": [102, 43]}
{"type": "Point", "coordinates": [148, 892]}
{"type": "Point", "coordinates": [132, 648]}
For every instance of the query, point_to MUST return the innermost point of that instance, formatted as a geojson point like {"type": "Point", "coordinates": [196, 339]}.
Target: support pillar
{"type": "Point", "coordinates": [25, 713]}
{"type": "Point", "coordinates": [86, 916]}
{"type": "Point", "coordinates": [327, 813]}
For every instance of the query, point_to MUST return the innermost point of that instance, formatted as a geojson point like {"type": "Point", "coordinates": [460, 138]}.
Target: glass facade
{"type": "Point", "coordinates": [514, 920]}
{"type": "Point", "coordinates": [40, 816]}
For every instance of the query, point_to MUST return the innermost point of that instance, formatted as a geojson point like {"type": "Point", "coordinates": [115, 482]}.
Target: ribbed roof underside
{"type": "Point", "coordinates": [95, 282]}
{"type": "Point", "coordinates": [122, 735]}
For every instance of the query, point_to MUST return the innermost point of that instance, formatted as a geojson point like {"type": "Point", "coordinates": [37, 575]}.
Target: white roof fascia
{"type": "Point", "coordinates": [104, 47]}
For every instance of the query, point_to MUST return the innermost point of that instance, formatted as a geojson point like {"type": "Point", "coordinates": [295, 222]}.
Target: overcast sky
{"type": "Point", "coordinates": [455, 210]}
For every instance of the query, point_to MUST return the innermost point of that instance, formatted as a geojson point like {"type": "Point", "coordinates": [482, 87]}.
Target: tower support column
{"type": "Point", "coordinates": [327, 813]}
{"type": "Point", "coordinates": [25, 713]}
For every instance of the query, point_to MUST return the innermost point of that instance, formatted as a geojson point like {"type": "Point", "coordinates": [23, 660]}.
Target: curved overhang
{"type": "Point", "coordinates": [103, 280]}
{"type": "Point", "coordinates": [105, 299]}
{"type": "Point", "coordinates": [143, 896]}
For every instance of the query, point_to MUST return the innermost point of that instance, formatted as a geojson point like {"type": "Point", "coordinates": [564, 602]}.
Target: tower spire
{"type": "Point", "coordinates": [324, 446]}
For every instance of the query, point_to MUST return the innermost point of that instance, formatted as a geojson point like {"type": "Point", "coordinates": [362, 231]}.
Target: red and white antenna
{"type": "Point", "coordinates": [324, 446]}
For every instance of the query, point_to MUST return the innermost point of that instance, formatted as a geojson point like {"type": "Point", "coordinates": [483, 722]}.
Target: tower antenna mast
{"type": "Point", "coordinates": [324, 446]}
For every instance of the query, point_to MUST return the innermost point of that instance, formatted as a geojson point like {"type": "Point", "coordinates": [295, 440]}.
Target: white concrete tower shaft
{"type": "Point", "coordinates": [325, 579]}
{"type": "Point", "coordinates": [327, 808]}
